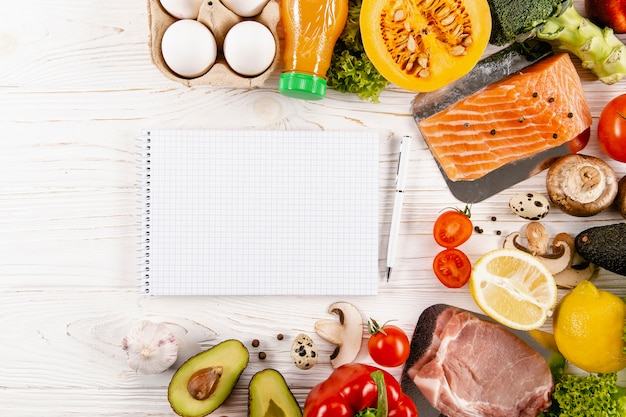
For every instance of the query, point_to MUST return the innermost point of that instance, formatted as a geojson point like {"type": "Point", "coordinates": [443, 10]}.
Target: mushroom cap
{"type": "Point", "coordinates": [581, 185]}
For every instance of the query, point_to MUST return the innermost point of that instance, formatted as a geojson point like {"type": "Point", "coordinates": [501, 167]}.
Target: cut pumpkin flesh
{"type": "Point", "coordinates": [423, 45]}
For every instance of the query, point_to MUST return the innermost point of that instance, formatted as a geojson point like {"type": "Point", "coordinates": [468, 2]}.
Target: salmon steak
{"type": "Point", "coordinates": [537, 109]}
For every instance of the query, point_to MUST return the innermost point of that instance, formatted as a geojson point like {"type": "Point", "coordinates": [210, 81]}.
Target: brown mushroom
{"type": "Point", "coordinates": [581, 185]}
{"type": "Point", "coordinates": [620, 200]}
{"type": "Point", "coordinates": [575, 272]}
{"type": "Point", "coordinates": [537, 236]}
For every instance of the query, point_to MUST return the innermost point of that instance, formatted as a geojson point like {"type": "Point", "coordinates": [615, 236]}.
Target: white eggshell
{"type": "Point", "coordinates": [245, 8]}
{"type": "Point", "coordinates": [182, 9]}
{"type": "Point", "coordinates": [530, 206]}
{"type": "Point", "coordinates": [189, 48]}
{"type": "Point", "coordinates": [249, 48]}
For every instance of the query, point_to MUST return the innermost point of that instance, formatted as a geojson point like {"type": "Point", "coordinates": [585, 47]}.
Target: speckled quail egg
{"type": "Point", "coordinates": [182, 9]}
{"type": "Point", "coordinates": [303, 352]}
{"type": "Point", "coordinates": [249, 48]}
{"type": "Point", "coordinates": [245, 8]}
{"type": "Point", "coordinates": [530, 206]}
{"type": "Point", "coordinates": [188, 48]}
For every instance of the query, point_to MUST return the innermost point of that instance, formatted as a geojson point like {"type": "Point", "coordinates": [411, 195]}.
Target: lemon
{"type": "Point", "coordinates": [514, 288]}
{"type": "Point", "coordinates": [588, 329]}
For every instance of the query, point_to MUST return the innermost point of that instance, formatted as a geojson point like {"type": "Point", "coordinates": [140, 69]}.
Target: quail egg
{"type": "Point", "coordinates": [303, 352]}
{"type": "Point", "coordinates": [188, 48]}
{"type": "Point", "coordinates": [249, 48]}
{"type": "Point", "coordinates": [530, 206]}
{"type": "Point", "coordinates": [182, 9]}
{"type": "Point", "coordinates": [245, 8]}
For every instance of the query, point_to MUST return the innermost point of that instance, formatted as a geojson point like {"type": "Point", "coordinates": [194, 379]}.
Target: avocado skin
{"type": "Point", "coordinates": [604, 246]}
{"type": "Point", "coordinates": [270, 396]}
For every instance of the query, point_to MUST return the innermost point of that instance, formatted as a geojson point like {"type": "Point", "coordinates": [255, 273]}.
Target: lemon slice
{"type": "Point", "coordinates": [514, 288]}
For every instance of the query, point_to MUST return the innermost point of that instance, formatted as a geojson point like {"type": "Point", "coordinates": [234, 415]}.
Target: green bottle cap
{"type": "Point", "coordinates": [302, 86]}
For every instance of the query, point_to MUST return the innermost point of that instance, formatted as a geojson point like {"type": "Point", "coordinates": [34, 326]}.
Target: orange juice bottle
{"type": "Point", "coordinates": [311, 29]}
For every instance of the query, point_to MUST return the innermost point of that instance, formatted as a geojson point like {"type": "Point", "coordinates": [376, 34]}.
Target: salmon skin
{"type": "Point", "coordinates": [509, 130]}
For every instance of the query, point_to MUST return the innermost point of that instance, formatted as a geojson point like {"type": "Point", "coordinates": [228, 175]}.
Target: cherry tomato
{"type": "Point", "coordinates": [579, 142]}
{"type": "Point", "coordinates": [388, 344]}
{"type": "Point", "coordinates": [452, 228]}
{"type": "Point", "coordinates": [452, 267]}
{"type": "Point", "coordinates": [612, 128]}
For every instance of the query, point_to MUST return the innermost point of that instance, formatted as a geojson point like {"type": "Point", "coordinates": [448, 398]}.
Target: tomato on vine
{"type": "Point", "coordinates": [452, 267]}
{"type": "Point", "coordinates": [453, 228]}
{"type": "Point", "coordinates": [388, 344]}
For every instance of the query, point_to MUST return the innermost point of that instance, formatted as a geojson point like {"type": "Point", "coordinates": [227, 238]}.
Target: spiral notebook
{"type": "Point", "coordinates": [249, 212]}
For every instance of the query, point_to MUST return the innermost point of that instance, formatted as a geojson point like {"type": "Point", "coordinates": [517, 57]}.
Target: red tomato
{"type": "Point", "coordinates": [452, 228]}
{"type": "Point", "coordinates": [612, 128]}
{"type": "Point", "coordinates": [388, 345]}
{"type": "Point", "coordinates": [579, 142]}
{"type": "Point", "coordinates": [452, 267]}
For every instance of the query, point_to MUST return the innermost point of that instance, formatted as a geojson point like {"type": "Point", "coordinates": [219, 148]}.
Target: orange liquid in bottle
{"type": "Point", "coordinates": [311, 29]}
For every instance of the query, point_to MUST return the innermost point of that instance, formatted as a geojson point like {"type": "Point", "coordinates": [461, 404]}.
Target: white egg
{"type": "Point", "coordinates": [189, 48]}
{"type": "Point", "coordinates": [182, 9]}
{"type": "Point", "coordinates": [245, 8]}
{"type": "Point", "coordinates": [249, 48]}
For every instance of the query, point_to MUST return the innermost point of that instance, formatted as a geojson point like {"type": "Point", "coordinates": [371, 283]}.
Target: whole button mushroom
{"type": "Point", "coordinates": [581, 185]}
{"type": "Point", "coordinates": [303, 352]}
{"type": "Point", "coordinates": [530, 206]}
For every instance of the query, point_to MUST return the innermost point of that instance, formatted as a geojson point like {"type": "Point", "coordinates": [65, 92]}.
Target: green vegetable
{"type": "Point", "coordinates": [585, 395]}
{"type": "Point", "coordinates": [351, 71]}
{"type": "Point", "coordinates": [565, 29]}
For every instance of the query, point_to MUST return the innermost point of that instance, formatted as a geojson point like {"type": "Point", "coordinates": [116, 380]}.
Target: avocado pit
{"type": "Point", "coordinates": [204, 382]}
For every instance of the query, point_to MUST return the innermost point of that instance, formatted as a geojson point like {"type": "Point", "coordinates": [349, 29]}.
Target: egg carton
{"type": "Point", "coordinates": [219, 19]}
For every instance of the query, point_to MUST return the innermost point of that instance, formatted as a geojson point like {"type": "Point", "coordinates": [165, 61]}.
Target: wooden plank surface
{"type": "Point", "coordinates": [76, 88]}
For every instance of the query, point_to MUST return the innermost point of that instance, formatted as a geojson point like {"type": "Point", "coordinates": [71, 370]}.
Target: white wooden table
{"type": "Point", "coordinates": [76, 88]}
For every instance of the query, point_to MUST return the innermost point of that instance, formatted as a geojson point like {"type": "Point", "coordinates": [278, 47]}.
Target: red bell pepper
{"type": "Point", "coordinates": [352, 390]}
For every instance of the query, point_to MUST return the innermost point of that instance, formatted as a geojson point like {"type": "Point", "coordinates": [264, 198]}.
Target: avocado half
{"type": "Point", "coordinates": [204, 381]}
{"type": "Point", "coordinates": [269, 396]}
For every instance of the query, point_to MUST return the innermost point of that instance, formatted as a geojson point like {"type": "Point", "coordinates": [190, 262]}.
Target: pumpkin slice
{"type": "Point", "coordinates": [423, 45]}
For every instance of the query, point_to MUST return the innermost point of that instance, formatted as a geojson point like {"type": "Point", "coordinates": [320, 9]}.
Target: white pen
{"type": "Point", "coordinates": [396, 216]}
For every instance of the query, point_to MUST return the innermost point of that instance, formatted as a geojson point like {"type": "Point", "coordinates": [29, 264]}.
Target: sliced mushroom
{"type": "Point", "coordinates": [620, 199]}
{"type": "Point", "coordinates": [574, 273]}
{"type": "Point", "coordinates": [347, 334]}
{"type": "Point", "coordinates": [581, 185]}
{"type": "Point", "coordinates": [536, 234]}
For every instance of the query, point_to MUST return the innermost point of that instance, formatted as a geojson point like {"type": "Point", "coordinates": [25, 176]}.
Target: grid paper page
{"type": "Point", "coordinates": [243, 212]}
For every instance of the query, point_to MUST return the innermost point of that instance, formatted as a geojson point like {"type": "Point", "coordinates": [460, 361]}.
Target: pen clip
{"type": "Point", "coordinates": [403, 154]}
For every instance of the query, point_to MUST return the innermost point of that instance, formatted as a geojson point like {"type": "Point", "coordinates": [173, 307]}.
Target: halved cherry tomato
{"type": "Point", "coordinates": [388, 344]}
{"type": "Point", "coordinates": [612, 128]}
{"type": "Point", "coordinates": [453, 228]}
{"type": "Point", "coordinates": [452, 267]}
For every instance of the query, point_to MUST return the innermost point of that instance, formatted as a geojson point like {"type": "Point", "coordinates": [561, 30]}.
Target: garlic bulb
{"type": "Point", "coordinates": [150, 347]}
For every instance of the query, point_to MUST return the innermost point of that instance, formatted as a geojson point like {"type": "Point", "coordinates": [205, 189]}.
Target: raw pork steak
{"type": "Point", "coordinates": [473, 367]}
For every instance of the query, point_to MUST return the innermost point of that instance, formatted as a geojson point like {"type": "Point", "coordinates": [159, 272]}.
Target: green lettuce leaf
{"type": "Point", "coordinates": [351, 71]}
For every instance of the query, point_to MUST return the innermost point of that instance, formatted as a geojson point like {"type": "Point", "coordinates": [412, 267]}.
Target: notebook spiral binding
{"type": "Point", "coordinates": [144, 249]}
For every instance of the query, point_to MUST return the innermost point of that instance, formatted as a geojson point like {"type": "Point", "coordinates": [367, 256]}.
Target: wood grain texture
{"type": "Point", "coordinates": [76, 88]}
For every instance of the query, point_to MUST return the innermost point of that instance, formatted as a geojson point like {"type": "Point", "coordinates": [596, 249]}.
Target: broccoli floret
{"type": "Point", "coordinates": [512, 19]}
{"type": "Point", "coordinates": [560, 24]}
{"type": "Point", "coordinates": [588, 395]}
